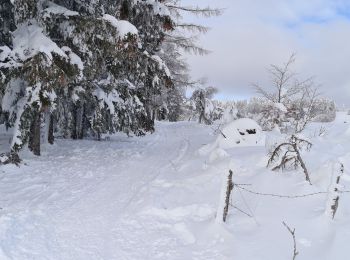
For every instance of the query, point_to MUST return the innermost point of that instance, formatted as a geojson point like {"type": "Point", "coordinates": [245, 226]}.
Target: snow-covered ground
{"type": "Point", "coordinates": [157, 197]}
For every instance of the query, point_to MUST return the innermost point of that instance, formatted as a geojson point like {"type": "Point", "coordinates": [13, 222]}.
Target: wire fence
{"type": "Point", "coordinates": [241, 187]}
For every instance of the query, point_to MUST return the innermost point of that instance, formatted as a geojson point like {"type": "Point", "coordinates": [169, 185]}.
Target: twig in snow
{"type": "Point", "coordinates": [292, 232]}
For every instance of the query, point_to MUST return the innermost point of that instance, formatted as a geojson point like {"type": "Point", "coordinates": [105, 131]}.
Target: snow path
{"type": "Point", "coordinates": [80, 194]}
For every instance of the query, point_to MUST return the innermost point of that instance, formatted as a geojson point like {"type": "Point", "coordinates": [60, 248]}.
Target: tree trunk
{"type": "Point", "coordinates": [74, 124]}
{"type": "Point", "coordinates": [83, 123]}
{"type": "Point", "coordinates": [50, 136]}
{"type": "Point", "coordinates": [34, 135]}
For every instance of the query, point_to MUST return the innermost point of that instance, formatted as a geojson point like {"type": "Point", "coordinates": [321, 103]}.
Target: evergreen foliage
{"type": "Point", "coordinates": [80, 69]}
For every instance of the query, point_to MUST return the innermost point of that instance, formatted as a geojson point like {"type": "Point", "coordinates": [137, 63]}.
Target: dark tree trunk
{"type": "Point", "coordinates": [50, 137]}
{"type": "Point", "coordinates": [34, 135]}
{"type": "Point", "coordinates": [83, 123]}
{"type": "Point", "coordinates": [74, 123]}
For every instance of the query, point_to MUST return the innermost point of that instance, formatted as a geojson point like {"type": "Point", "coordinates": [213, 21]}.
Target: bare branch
{"type": "Point", "coordinates": [193, 27]}
{"type": "Point", "coordinates": [292, 232]}
{"type": "Point", "coordinates": [206, 12]}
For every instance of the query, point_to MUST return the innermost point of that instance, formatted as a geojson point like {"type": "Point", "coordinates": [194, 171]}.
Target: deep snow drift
{"type": "Point", "coordinates": [157, 197]}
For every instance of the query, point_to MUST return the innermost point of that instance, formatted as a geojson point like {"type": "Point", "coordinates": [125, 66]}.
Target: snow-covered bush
{"type": "Point", "coordinates": [324, 111]}
{"type": "Point", "coordinates": [203, 106]}
{"type": "Point", "coordinates": [229, 114]}
{"type": "Point", "coordinates": [287, 155]}
{"type": "Point", "coordinates": [273, 115]}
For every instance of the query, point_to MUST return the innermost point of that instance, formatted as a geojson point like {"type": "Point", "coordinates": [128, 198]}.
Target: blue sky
{"type": "Point", "coordinates": [252, 34]}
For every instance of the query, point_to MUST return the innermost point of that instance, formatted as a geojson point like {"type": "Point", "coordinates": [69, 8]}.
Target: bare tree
{"type": "Point", "coordinates": [298, 96]}
{"type": "Point", "coordinates": [303, 108]}
{"type": "Point", "coordinates": [284, 83]}
{"type": "Point", "coordinates": [287, 154]}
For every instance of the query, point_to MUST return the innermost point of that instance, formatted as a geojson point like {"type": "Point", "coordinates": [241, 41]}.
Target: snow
{"type": "Point", "coordinates": [29, 40]}
{"type": "Point", "coordinates": [7, 58]}
{"type": "Point", "coordinates": [159, 8]}
{"type": "Point", "coordinates": [107, 98]}
{"type": "Point", "coordinates": [281, 107]}
{"type": "Point", "coordinates": [5, 52]}
{"type": "Point", "coordinates": [57, 9]}
{"type": "Point", "coordinates": [123, 27]}
{"type": "Point", "coordinates": [74, 59]}
{"type": "Point", "coordinates": [239, 133]}
{"type": "Point", "coordinates": [156, 197]}
{"type": "Point", "coordinates": [161, 64]}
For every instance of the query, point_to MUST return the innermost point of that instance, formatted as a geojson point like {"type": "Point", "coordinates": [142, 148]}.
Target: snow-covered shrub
{"type": "Point", "coordinates": [242, 108]}
{"type": "Point", "coordinates": [229, 114]}
{"type": "Point", "coordinates": [204, 107]}
{"type": "Point", "coordinates": [273, 115]}
{"type": "Point", "coordinates": [287, 155]}
{"type": "Point", "coordinates": [324, 111]}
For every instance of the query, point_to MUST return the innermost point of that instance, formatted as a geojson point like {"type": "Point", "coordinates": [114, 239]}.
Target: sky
{"type": "Point", "coordinates": [252, 34]}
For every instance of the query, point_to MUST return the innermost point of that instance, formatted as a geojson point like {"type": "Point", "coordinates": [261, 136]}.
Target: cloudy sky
{"type": "Point", "coordinates": [252, 34]}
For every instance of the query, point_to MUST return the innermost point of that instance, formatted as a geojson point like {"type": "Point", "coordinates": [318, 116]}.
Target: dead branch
{"type": "Point", "coordinates": [206, 12]}
{"type": "Point", "coordinates": [292, 232]}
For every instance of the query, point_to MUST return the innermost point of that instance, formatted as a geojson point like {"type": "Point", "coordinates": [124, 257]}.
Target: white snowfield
{"type": "Point", "coordinates": [157, 197]}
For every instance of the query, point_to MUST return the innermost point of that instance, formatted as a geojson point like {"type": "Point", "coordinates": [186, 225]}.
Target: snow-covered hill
{"type": "Point", "coordinates": [157, 197]}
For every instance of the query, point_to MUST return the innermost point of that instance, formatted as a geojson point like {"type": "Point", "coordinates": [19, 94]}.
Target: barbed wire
{"type": "Point", "coordinates": [285, 196]}
{"type": "Point", "coordinates": [240, 210]}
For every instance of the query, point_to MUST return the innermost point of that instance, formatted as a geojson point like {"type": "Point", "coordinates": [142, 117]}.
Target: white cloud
{"type": "Point", "coordinates": [253, 34]}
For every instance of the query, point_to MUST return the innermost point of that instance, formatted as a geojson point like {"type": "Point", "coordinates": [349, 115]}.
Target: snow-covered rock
{"type": "Point", "coordinates": [241, 132]}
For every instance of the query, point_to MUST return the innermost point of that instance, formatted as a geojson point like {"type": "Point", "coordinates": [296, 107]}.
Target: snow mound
{"type": "Point", "coordinates": [241, 132]}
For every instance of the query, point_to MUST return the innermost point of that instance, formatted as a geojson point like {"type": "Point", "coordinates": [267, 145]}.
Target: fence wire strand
{"type": "Point", "coordinates": [284, 196]}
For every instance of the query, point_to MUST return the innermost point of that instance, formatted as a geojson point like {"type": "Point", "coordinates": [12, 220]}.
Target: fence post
{"type": "Point", "coordinates": [334, 195]}
{"type": "Point", "coordinates": [224, 202]}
